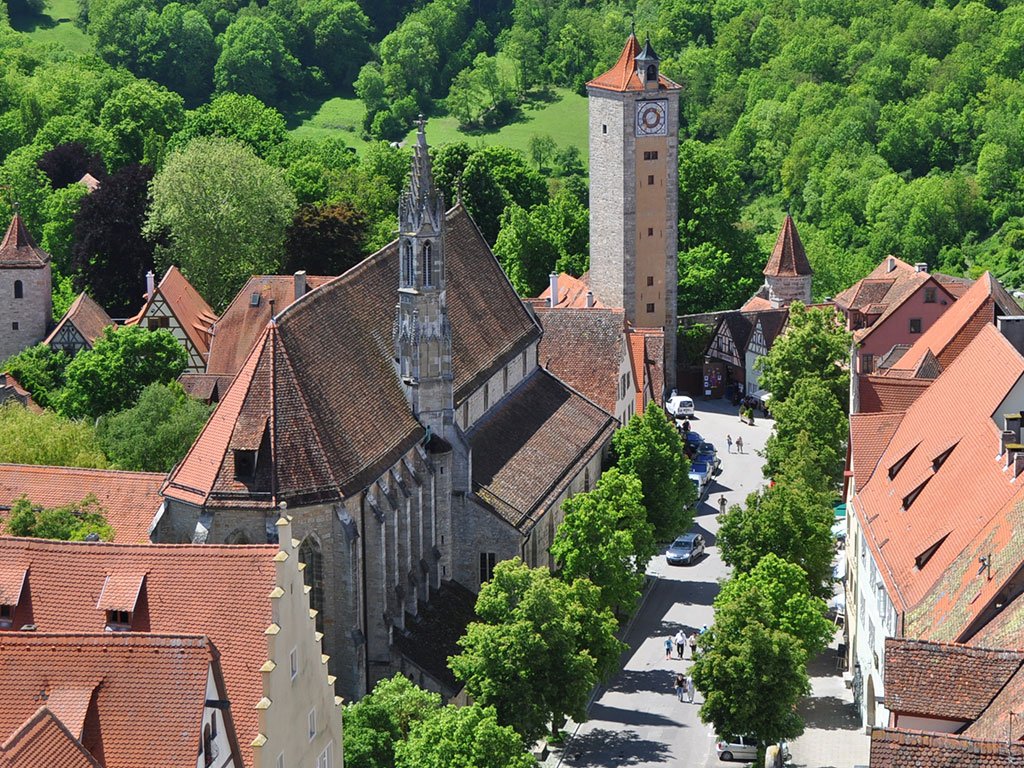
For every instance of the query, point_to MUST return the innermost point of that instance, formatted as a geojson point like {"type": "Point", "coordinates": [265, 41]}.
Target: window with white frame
{"type": "Point", "coordinates": [312, 723]}
{"type": "Point", "coordinates": [326, 758]}
{"type": "Point", "coordinates": [293, 660]}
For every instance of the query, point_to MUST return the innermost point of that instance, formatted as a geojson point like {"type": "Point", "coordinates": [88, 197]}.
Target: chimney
{"type": "Point", "coordinates": [1011, 423]}
{"type": "Point", "coordinates": [590, 299]}
{"type": "Point", "coordinates": [1005, 439]}
{"type": "Point", "coordinates": [554, 289]}
{"type": "Point", "coordinates": [150, 284]}
{"type": "Point", "coordinates": [1018, 464]}
{"type": "Point", "coordinates": [921, 266]}
{"type": "Point", "coordinates": [890, 264]}
{"type": "Point", "coordinates": [300, 284]}
{"type": "Point", "coordinates": [1012, 327]}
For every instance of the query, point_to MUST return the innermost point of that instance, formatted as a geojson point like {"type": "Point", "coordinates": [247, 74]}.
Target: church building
{"type": "Point", "coordinates": [399, 414]}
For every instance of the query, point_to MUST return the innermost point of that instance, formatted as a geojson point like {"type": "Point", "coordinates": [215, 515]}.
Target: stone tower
{"type": "Point", "coordinates": [422, 335]}
{"type": "Point", "coordinates": [787, 277]}
{"type": "Point", "coordinates": [634, 192]}
{"type": "Point", "coordinates": [25, 300]}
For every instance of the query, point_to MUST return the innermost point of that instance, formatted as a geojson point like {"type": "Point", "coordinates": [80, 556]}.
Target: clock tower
{"type": "Point", "coordinates": [634, 191]}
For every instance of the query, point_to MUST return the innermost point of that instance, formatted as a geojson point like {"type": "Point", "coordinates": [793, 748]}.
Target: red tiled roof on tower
{"type": "Point", "coordinates": [623, 76]}
{"type": "Point", "coordinates": [788, 257]}
{"type": "Point", "coordinates": [18, 250]}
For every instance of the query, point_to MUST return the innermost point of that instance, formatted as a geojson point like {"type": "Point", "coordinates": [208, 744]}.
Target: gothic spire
{"type": "Point", "coordinates": [421, 204]}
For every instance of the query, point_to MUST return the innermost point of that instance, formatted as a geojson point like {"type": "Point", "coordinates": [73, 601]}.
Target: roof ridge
{"type": "Point", "coordinates": [87, 470]}
{"type": "Point", "coordinates": [149, 548]}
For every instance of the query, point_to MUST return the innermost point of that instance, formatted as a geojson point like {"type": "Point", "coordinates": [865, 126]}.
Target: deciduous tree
{"type": "Point", "coordinates": [224, 212]}
{"type": "Point", "coordinates": [47, 438]}
{"type": "Point", "coordinates": [470, 737]}
{"type": "Point", "coordinates": [383, 718]}
{"type": "Point", "coordinates": [539, 647]}
{"type": "Point", "coordinates": [40, 370]}
{"type": "Point", "coordinates": [72, 522]}
{"type": "Point", "coordinates": [650, 448]}
{"type": "Point", "coordinates": [607, 538]}
{"type": "Point", "coordinates": [810, 409]}
{"type": "Point", "coordinates": [325, 240]}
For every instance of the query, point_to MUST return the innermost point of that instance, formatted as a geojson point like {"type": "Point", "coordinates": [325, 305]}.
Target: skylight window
{"type": "Point", "coordinates": [922, 559]}
{"type": "Point", "coordinates": [939, 460]}
{"type": "Point", "coordinates": [911, 497]}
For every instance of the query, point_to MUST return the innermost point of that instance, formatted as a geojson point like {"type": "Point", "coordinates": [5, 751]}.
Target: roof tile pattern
{"type": "Point", "coordinates": [870, 434]}
{"type": "Point", "coordinates": [526, 452]}
{"type": "Point", "coordinates": [995, 722]}
{"type": "Point", "coordinates": [572, 292]}
{"type": "Point", "coordinates": [115, 669]}
{"type": "Point", "coordinates": [215, 590]}
{"type": "Point", "coordinates": [130, 499]}
{"type": "Point", "coordinates": [889, 394]}
{"type": "Point", "coordinates": [968, 476]}
{"type": "Point", "coordinates": [788, 259]}
{"type": "Point", "coordinates": [623, 76]}
{"type": "Point", "coordinates": [919, 677]}
{"type": "Point", "coordinates": [323, 379]}
{"type": "Point", "coordinates": [585, 348]}
{"type": "Point", "coordinates": [43, 740]}
{"type": "Point", "coordinates": [88, 318]}
{"type": "Point", "coordinates": [913, 749]}
{"type": "Point", "coordinates": [18, 250]}
{"type": "Point", "coordinates": [242, 324]}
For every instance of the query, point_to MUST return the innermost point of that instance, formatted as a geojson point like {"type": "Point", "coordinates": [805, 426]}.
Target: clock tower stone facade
{"type": "Point", "coordinates": [634, 193]}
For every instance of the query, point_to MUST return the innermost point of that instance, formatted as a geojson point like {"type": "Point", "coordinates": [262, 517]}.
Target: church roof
{"type": "Point", "coordinates": [623, 76]}
{"type": "Point", "coordinates": [526, 452]}
{"type": "Point", "coordinates": [321, 383]}
{"type": "Point", "coordinates": [88, 318]}
{"type": "Point", "coordinates": [788, 257]}
{"type": "Point", "coordinates": [18, 250]}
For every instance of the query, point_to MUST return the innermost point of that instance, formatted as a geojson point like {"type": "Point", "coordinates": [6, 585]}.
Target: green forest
{"type": "Point", "coordinates": [883, 127]}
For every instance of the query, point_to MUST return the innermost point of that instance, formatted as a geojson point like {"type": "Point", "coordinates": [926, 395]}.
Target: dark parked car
{"type": "Point", "coordinates": [686, 549]}
{"type": "Point", "coordinates": [694, 439]}
{"type": "Point", "coordinates": [706, 452]}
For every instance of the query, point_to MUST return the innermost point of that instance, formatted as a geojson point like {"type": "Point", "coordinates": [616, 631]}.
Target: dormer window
{"type": "Point", "coordinates": [895, 468]}
{"type": "Point", "coordinates": [254, 300]}
{"type": "Point", "coordinates": [6, 616]}
{"type": "Point", "coordinates": [245, 465]}
{"type": "Point", "coordinates": [12, 584]}
{"type": "Point", "coordinates": [939, 460]}
{"type": "Point", "coordinates": [911, 497]}
{"type": "Point", "coordinates": [119, 621]}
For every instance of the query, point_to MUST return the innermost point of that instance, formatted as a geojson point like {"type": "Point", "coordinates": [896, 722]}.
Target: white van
{"type": "Point", "coordinates": [679, 406]}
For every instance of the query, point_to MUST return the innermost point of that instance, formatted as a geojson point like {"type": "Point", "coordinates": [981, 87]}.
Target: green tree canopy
{"type": "Point", "coordinates": [241, 117]}
{"type": "Point", "coordinates": [650, 448]}
{"type": "Point", "coordinates": [255, 60]}
{"type": "Point", "coordinates": [607, 539]}
{"type": "Point", "coordinates": [224, 212]}
{"type": "Point", "coordinates": [40, 370]}
{"type": "Point", "coordinates": [379, 721]}
{"type": "Point", "coordinates": [155, 433]}
{"type": "Point", "coordinates": [122, 362]}
{"type": "Point", "coordinates": [72, 522]}
{"type": "Point", "coordinates": [47, 438]}
{"type": "Point", "coordinates": [810, 409]}
{"type": "Point", "coordinates": [539, 647]}
{"type": "Point", "coordinates": [470, 737]}
{"type": "Point", "coordinates": [815, 345]}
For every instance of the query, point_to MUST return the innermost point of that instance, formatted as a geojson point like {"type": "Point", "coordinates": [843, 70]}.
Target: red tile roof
{"type": "Point", "coordinates": [526, 452]}
{"type": "Point", "coordinates": [242, 323]}
{"type": "Point", "coordinates": [572, 292]}
{"type": "Point", "coordinates": [18, 250]}
{"type": "Point", "coordinates": [11, 389]}
{"type": "Point", "coordinates": [956, 328]}
{"type": "Point", "coordinates": [220, 591]}
{"type": "Point", "coordinates": [43, 740]}
{"type": "Point", "coordinates": [920, 677]}
{"type": "Point", "coordinates": [888, 394]}
{"type": "Point", "coordinates": [995, 722]}
{"type": "Point", "coordinates": [91, 182]}
{"type": "Point", "coordinates": [870, 434]}
{"type": "Point", "coordinates": [647, 360]}
{"type": "Point", "coordinates": [138, 698]}
{"type": "Point", "coordinates": [88, 318]}
{"type": "Point", "coordinates": [756, 303]}
{"type": "Point", "coordinates": [788, 257]}
{"type": "Point", "coordinates": [131, 499]}
{"type": "Point", "coordinates": [952, 503]}
{"type": "Point", "coordinates": [585, 348]}
{"type": "Point", "coordinates": [323, 380]}
{"type": "Point", "coordinates": [914, 749]}
{"type": "Point", "coordinates": [191, 309]}
{"type": "Point", "coordinates": [623, 76]}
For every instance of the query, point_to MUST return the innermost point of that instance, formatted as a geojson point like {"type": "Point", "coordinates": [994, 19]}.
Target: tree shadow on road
{"type": "Point", "coordinates": [653, 681]}
{"type": "Point", "coordinates": [601, 748]}
{"type": "Point", "coordinates": [829, 713]}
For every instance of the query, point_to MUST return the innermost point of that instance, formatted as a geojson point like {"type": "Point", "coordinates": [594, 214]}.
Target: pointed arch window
{"type": "Point", "coordinates": [313, 576]}
{"type": "Point", "coordinates": [19, 290]}
{"type": "Point", "coordinates": [428, 264]}
{"type": "Point", "coordinates": [407, 263]}
{"type": "Point", "coordinates": [652, 73]}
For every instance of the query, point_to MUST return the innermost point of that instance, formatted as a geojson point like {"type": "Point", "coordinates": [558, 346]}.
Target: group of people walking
{"type": "Point", "coordinates": [739, 443]}
{"type": "Point", "coordinates": [684, 685]}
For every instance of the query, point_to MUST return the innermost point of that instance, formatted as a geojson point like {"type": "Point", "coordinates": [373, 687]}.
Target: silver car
{"type": "Point", "coordinates": [736, 747]}
{"type": "Point", "coordinates": [686, 549]}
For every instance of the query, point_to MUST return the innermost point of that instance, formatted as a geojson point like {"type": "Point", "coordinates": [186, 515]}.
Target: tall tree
{"type": "Point", "coordinates": [224, 212]}
{"type": "Point", "coordinates": [254, 60]}
{"type": "Point", "coordinates": [812, 410]}
{"type": "Point", "coordinates": [378, 722]}
{"type": "Point", "coordinates": [110, 257]}
{"type": "Point", "coordinates": [539, 647]}
{"type": "Point", "coordinates": [155, 433]}
{"type": "Point", "coordinates": [241, 117]}
{"type": "Point", "coordinates": [123, 361]}
{"type": "Point", "coordinates": [607, 538]}
{"type": "Point", "coordinates": [40, 370]}
{"type": "Point", "coordinates": [67, 163]}
{"type": "Point", "coordinates": [815, 345]}
{"type": "Point", "coordinates": [650, 448]}
{"type": "Point", "coordinates": [325, 240]}
{"type": "Point", "coordinates": [141, 117]}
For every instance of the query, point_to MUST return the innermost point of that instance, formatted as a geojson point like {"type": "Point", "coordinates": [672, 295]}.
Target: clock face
{"type": "Point", "coordinates": [652, 118]}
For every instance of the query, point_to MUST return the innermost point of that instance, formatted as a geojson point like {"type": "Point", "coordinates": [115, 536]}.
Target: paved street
{"type": "Point", "coordinates": [637, 720]}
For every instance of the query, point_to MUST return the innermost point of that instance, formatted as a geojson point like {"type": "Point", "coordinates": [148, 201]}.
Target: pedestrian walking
{"type": "Point", "coordinates": [721, 505]}
{"type": "Point", "coordinates": [680, 684]}
{"type": "Point", "coordinates": [668, 647]}
{"type": "Point", "coordinates": [728, 443]}
{"type": "Point", "coordinates": [739, 444]}
{"type": "Point", "coordinates": [691, 689]}
{"type": "Point", "coordinates": [693, 645]}
{"type": "Point", "coordinates": [680, 641]}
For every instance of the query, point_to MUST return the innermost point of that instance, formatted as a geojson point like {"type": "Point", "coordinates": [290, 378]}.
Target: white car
{"type": "Point", "coordinates": [679, 405]}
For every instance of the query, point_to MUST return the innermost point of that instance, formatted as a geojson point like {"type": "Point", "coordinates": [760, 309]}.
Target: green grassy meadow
{"type": "Point", "coordinates": [563, 118]}
{"type": "Point", "coordinates": [55, 25]}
